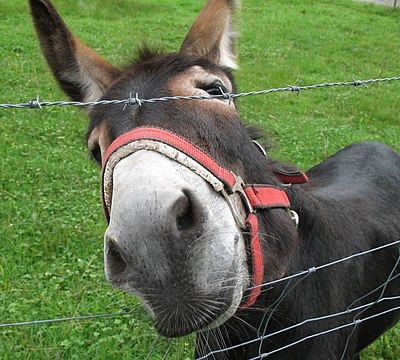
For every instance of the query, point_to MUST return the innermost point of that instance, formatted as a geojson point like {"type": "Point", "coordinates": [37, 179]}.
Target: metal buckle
{"type": "Point", "coordinates": [295, 217]}
{"type": "Point", "coordinates": [239, 205]}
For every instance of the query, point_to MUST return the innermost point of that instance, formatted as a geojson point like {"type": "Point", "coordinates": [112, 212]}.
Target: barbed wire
{"type": "Point", "coordinates": [37, 104]}
{"type": "Point", "coordinates": [135, 100]}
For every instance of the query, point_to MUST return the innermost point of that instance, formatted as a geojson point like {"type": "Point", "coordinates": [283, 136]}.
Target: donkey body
{"type": "Point", "coordinates": [176, 244]}
{"type": "Point", "coordinates": [349, 204]}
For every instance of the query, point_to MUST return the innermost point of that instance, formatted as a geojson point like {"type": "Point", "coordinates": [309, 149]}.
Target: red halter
{"type": "Point", "coordinates": [243, 200]}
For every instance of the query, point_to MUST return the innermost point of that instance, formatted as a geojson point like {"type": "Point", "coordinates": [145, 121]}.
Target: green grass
{"type": "Point", "coordinates": [51, 219]}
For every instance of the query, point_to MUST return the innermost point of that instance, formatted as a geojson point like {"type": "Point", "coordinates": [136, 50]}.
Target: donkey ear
{"type": "Point", "coordinates": [212, 35]}
{"type": "Point", "coordinates": [82, 74]}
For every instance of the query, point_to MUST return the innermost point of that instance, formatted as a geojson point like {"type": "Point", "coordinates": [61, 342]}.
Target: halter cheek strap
{"type": "Point", "coordinates": [244, 200]}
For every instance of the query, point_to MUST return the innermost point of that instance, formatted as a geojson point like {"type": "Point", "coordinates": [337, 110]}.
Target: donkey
{"type": "Point", "coordinates": [199, 219]}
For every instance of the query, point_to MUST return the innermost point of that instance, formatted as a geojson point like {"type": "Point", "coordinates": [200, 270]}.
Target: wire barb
{"type": "Point", "coordinates": [132, 100]}
{"type": "Point", "coordinates": [312, 270]}
{"type": "Point", "coordinates": [294, 89]}
{"type": "Point", "coordinates": [359, 83]}
{"type": "Point", "coordinates": [226, 96]}
{"type": "Point", "coordinates": [35, 104]}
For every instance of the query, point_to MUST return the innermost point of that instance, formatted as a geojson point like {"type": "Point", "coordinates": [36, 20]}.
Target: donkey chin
{"type": "Point", "coordinates": [173, 242]}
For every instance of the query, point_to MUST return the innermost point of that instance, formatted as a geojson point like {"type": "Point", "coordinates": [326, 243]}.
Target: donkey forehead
{"type": "Point", "coordinates": [170, 76]}
{"type": "Point", "coordinates": [178, 80]}
{"type": "Point", "coordinates": [198, 76]}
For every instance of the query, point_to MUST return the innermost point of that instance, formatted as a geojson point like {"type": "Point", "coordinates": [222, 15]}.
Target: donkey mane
{"type": "Point", "coordinates": [170, 64]}
{"type": "Point", "coordinates": [145, 53]}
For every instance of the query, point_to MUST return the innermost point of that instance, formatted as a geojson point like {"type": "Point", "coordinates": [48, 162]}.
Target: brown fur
{"type": "Point", "coordinates": [213, 26]}
{"type": "Point", "coordinates": [82, 74]}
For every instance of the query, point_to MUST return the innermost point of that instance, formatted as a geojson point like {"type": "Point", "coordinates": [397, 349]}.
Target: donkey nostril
{"type": "Point", "coordinates": [115, 262]}
{"type": "Point", "coordinates": [184, 210]}
{"type": "Point", "coordinates": [188, 212]}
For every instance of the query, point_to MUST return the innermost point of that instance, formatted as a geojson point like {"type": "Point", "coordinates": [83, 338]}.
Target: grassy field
{"type": "Point", "coordinates": [51, 262]}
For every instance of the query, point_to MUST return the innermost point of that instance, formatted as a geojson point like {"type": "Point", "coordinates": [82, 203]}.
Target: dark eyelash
{"type": "Point", "coordinates": [215, 88]}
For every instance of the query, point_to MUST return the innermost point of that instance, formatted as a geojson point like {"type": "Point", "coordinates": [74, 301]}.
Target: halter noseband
{"type": "Point", "coordinates": [243, 199]}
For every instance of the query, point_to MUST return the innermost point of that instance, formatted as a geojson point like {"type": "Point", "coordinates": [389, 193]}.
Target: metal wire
{"type": "Point", "coordinates": [348, 310]}
{"type": "Point", "coordinates": [153, 347]}
{"type": "Point", "coordinates": [37, 104]}
{"type": "Point", "coordinates": [353, 323]}
{"type": "Point", "coordinates": [76, 318]}
{"type": "Point", "coordinates": [357, 316]}
{"type": "Point", "coordinates": [304, 322]}
{"type": "Point", "coordinates": [301, 273]}
{"type": "Point", "coordinates": [320, 267]}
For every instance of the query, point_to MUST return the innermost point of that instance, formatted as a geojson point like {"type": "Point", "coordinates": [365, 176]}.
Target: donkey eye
{"type": "Point", "coordinates": [215, 88]}
{"type": "Point", "coordinates": [214, 91]}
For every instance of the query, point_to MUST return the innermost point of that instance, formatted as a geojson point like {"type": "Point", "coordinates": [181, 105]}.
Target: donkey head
{"type": "Point", "coordinates": [172, 240]}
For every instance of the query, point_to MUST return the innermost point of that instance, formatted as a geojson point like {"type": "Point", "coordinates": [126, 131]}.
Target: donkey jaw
{"type": "Point", "coordinates": [173, 242]}
{"type": "Point", "coordinates": [181, 310]}
{"type": "Point", "coordinates": [205, 311]}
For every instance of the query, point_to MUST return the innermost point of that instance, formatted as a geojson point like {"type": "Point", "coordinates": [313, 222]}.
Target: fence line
{"type": "Point", "coordinates": [355, 323]}
{"type": "Point", "coordinates": [323, 266]}
{"type": "Point", "coordinates": [76, 318]}
{"type": "Point", "coordinates": [359, 310]}
{"type": "Point", "coordinates": [299, 325]}
{"type": "Point", "coordinates": [382, 292]}
{"type": "Point", "coordinates": [37, 104]}
{"type": "Point", "coordinates": [350, 309]}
